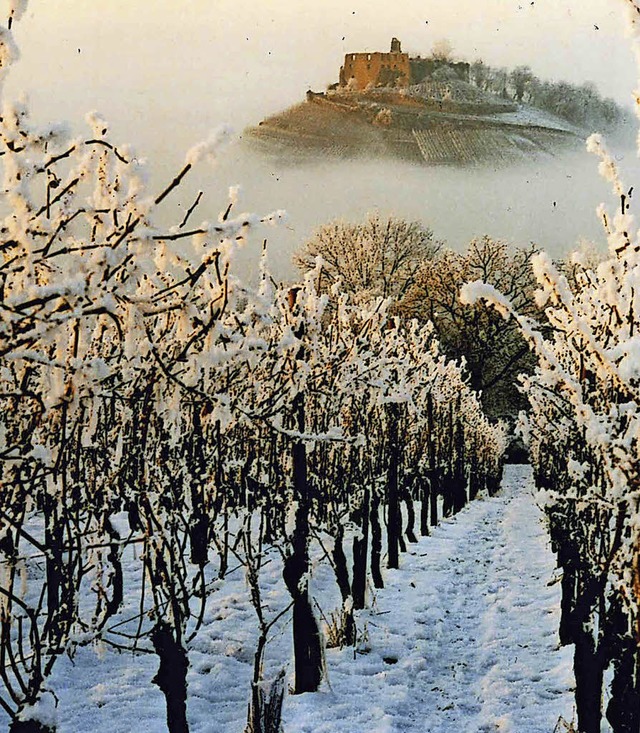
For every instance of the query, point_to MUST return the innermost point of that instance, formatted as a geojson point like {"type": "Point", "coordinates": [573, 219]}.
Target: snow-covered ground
{"type": "Point", "coordinates": [532, 116]}
{"type": "Point", "coordinates": [463, 639]}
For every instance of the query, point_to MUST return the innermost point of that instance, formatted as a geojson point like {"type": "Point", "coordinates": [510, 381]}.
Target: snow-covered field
{"type": "Point", "coordinates": [463, 639]}
{"type": "Point", "coordinates": [531, 116]}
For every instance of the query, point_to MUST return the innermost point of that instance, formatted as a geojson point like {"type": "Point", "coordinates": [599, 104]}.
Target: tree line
{"type": "Point", "coordinates": [580, 104]}
{"type": "Point", "coordinates": [403, 261]}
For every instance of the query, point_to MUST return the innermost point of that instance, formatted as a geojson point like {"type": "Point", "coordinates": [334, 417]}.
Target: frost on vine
{"type": "Point", "coordinates": [583, 431]}
{"type": "Point", "coordinates": [159, 415]}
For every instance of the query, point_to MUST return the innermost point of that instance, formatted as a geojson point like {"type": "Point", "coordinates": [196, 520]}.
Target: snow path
{"type": "Point", "coordinates": [463, 639]}
{"type": "Point", "coordinates": [476, 641]}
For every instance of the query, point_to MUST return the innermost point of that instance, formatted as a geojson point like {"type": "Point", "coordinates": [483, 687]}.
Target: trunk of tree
{"type": "Point", "coordinates": [340, 564]}
{"type": "Point", "coordinates": [623, 710]}
{"type": "Point", "coordinates": [376, 543]}
{"type": "Point", "coordinates": [270, 534]}
{"type": "Point", "coordinates": [402, 545]}
{"type": "Point", "coordinates": [53, 540]}
{"type": "Point", "coordinates": [447, 494]}
{"type": "Point", "coordinates": [348, 630]}
{"type": "Point", "coordinates": [460, 477]}
{"type": "Point", "coordinates": [198, 530]}
{"type": "Point", "coordinates": [448, 481]}
{"type": "Point", "coordinates": [307, 640]}
{"type": "Point", "coordinates": [424, 506]}
{"type": "Point", "coordinates": [360, 546]}
{"type": "Point", "coordinates": [117, 579]}
{"type": "Point", "coordinates": [588, 674]}
{"type": "Point", "coordinates": [433, 484]}
{"type": "Point", "coordinates": [265, 709]}
{"type": "Point", "coordinates": [474, 481]}
{"type": "Point", "coordinates": [567, 602]}
{"type": "Point", "coordinates": [198, 521]}
{"type": "Point", "coordinates": [224, 505]}
{"type": "Point", "coordinates": [394, 517]}
{"type": "Point", "coordinates": [171, 677]}
{"type": "Point", "coordinates": [411, 517]}
{"type": "Point", "coordinates": [493, 482]}
{"type": "Point", "coordinates": [433, 493]}
{"type": "Point", "coordinates": [460, 493]}
{"type": "Point", "coordinates": [568, 583]}
{"type": "Point", "coordinates": [224, 548]}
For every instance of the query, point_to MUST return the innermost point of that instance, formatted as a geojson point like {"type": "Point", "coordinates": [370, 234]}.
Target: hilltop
{"type": "Point", "coordinates": [434, 122]}
{"type": "Point", "coordinates": [435, 110]}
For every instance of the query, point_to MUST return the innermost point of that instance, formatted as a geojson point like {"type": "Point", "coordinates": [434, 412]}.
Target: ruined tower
{"type": "Point", "coordinates": [363, 70]}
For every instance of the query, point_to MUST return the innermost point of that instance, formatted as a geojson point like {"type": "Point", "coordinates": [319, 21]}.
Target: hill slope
{"type": "Point", "coordinates": [434, 122]}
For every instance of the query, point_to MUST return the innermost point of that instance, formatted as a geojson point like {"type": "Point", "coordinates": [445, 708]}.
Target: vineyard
{"type": "Point", "coordinates": [177, 444]}
{"type": "Point", "coordinates": [436, 145]}
{"type": "Point", "coordinates": [416, 128]}
{"type": "Point", "coordinates": [156, 407]}
{"type": "Point", "coordinates": [463, 635]}
{"type": "Point", "coordinates": [583, 430]}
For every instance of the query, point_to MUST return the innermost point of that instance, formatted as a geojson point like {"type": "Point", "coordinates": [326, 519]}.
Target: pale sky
{"type": "Point", "coordinates": [173, 69]}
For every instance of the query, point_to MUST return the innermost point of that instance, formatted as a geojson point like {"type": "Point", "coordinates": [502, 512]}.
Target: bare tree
{"type": "Point", "coordinates": [377, 257]}
{"type": "Point", "coordinates": [442, 50]}
{"type": "Point", "coordinates": [494, 350]}
{"type": "Point", "coordinates": [479, 73]}
{"type": "Point", "coordinates": [522, 80]}
{"type": "Point", "coordinates": [581, 105]}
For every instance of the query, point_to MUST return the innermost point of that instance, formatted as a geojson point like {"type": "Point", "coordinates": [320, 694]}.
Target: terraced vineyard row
{"type": "Point", "coordinates": [467, 145]}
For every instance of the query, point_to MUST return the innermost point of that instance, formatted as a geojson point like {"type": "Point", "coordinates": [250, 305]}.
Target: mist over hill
{"type": "Point", "coordinates": [550, 200]}
{"type": "Point", "coordinates": [437, 110]}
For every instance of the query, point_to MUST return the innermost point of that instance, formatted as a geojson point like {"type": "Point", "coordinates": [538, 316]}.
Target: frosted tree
{"type": "Point", "coordinates": [101, 320]}
{"type": "Point", "coordinates": [442, 50]}
{"type": "Point", "coordinates": [584, 435]}
{"type": "Point", "coordinates": [376, 257]}
{"type": "Point", "coordinates": [494, 351]}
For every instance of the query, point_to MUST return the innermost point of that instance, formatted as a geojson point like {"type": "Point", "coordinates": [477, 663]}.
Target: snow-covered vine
{"type": "Point", "coordinates": [152, 404]}
{"type": "Point", "coordinates": [583, 430]}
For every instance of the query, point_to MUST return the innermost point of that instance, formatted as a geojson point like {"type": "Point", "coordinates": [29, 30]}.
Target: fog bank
{"type": "Point", "coordinates": [550, 202]}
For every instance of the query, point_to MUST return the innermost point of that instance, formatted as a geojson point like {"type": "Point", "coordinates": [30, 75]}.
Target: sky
{"type": "Point", "coordinates": [164, 73]}
{"type": "Point", "coordinates": [167, 71]}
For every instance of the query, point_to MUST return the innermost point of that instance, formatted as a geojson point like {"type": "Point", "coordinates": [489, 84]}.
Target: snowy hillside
{"type": "Point", "coordinates": [452, 123]}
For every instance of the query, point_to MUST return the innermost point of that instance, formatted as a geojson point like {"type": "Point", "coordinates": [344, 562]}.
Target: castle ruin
{"type": "Point", "coordinates": [361, 70]}
{"type": "Point", "coordinates": [395, 69]}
